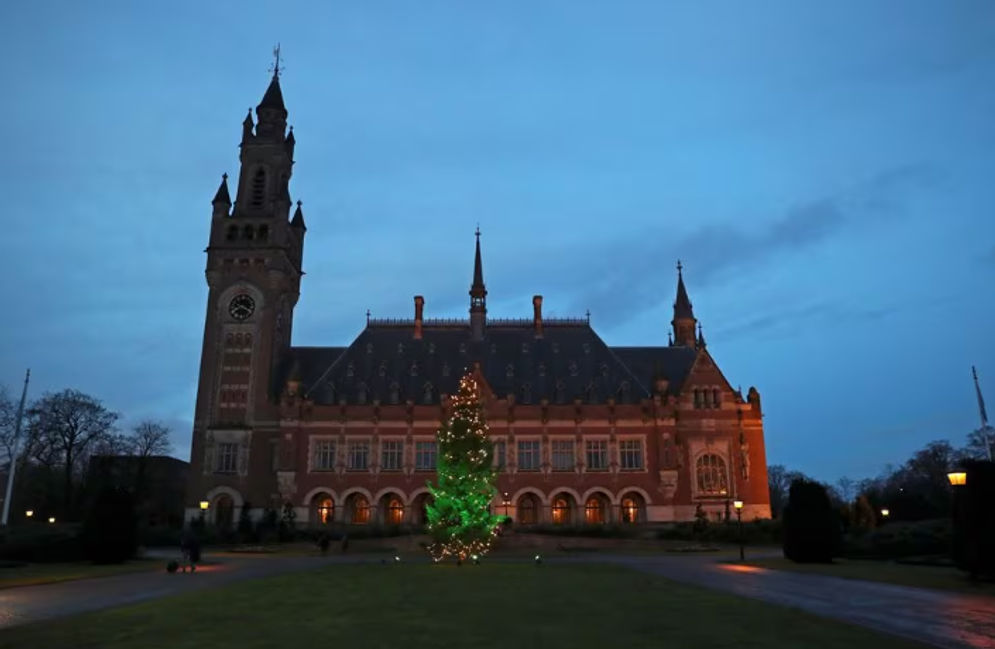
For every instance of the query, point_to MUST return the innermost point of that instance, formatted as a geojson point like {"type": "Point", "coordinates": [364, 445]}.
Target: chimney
{"type": "Point", "coordinates": [537, 314]}
{"type": "Point", "coordinates": [419, 306]}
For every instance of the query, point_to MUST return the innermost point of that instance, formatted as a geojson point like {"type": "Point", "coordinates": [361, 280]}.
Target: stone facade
{"type": "Point", "coordinates": [584, 432]}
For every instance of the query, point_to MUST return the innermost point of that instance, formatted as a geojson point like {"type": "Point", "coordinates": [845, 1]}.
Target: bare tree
{"type": "Point", "coordinates": [150, 438]}
{"type": "Point", "coordinates": [64, 426]}
{"type": "Point", "coordinates": [845, 487]}
{"type": "Point", "coordinates": [981, 443]}
{"type": "Point", "coordinates": [8, 420]}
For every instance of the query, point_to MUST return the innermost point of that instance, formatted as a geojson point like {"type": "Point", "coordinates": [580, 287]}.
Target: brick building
{"type": "Point", "coordinates": [583, 432]}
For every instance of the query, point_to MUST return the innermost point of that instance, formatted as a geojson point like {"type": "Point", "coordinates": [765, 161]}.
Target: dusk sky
{"type": "Point", "coordinates": [826, 173]}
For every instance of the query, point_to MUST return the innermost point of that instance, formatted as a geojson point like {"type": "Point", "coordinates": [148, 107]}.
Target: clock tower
{"type": "Point", "coordinates": [253, 273]}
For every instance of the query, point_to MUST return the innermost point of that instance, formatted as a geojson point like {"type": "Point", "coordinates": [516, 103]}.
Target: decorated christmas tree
{"type": "Point", "coordinates": [459, 520]}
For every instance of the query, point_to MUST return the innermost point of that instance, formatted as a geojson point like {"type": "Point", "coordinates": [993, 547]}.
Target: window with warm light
{"type": "Point", "coordinates": [712, 476]}
{"type": "Point", "coordinates": [528, 510]}
{"type": "Point", "coordinates": [594, 511]}
{"type": "Point", "coordinates": [630, 510]}
{"type": "Point", "coordinates": [395, 512]}
{"type": "Point", "coordinates": [325, 509]}
{"type": "Point", "coordinates": [360, 510]}
{"type": "Point", "coordinates": [561, 510]}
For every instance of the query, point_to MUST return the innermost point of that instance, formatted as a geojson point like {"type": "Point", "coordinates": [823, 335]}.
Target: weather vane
{"type": "Point", "coordinates": [276, 69]}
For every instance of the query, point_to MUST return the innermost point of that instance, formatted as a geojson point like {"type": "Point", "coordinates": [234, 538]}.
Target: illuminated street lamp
{"type": "Point", "coordinates": [51, 519]}
{"type": "Point", "coordinates": [507, 501]}
{"type": "Point", "coordinates": [739, 520]}
{"type": "Point", "coordinates": [885, 513]}
{"type": "Point", "coordinates": [29, 513]}
{"type": "Point", "coordinates": [957, 478]}
{"type": "Point", "coordinates": [204, 505]}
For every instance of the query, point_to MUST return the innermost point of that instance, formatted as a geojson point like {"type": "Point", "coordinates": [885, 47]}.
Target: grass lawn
{"type": "Point", "coordinates": [49, 573]}
{"type": "Point", "coordinates": [940, 577]}
{"type": "Point", "coordinates": [495, 605]}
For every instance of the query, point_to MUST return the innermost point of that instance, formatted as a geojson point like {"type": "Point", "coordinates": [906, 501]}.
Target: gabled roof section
{"type": "Point", "coordinates": [569, 362]}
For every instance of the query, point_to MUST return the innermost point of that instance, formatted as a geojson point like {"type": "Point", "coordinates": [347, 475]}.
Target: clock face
{"type": "Point", "coordinates": [241, 306]}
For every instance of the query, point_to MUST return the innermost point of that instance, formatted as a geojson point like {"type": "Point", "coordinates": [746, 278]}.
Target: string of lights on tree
{"type": "Point", "coordinates": [459, 520]}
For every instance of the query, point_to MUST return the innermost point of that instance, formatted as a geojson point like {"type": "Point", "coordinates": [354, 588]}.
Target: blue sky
{"type": "Point", "coordinates": [824, 170]}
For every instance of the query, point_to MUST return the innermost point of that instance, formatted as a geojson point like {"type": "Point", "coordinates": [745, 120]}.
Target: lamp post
{"type": "Point", "coordinates": [203, 511]}
{"type": "Point", "coordinates": [739, 521]}
{"type": "Point", "coordinates": [29, 513]}
{"type": "Point", "coordinates": [957, 479]}
{"type": "Point", "coordinates": [506, 502]}
{"type": "Point", "coordinates": [885, 513]}
{"type": "Point", "coordinates": [51, 519]}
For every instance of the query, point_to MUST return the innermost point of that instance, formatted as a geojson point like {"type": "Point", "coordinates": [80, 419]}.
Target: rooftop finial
{"type": "Point", "coordinates": [679, 267]}
{"type": "Point", "coordinates": [276, 63]}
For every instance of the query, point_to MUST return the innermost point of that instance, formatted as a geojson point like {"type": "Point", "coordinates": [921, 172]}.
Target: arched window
{"type": "Point", "coordinates": [395, 512]}
{"type": "Point", "coordinates": [360, 510]}
{"type": "Point", "coordinates": [632, 505]}
{"type": "Point", "coordinates": [527, 510]}
{"type": "Point", "coordinates": [324, 509]}
{"type": "Point", "coordinates": [594, 511]}
{"type": "Point", "coordinates": [561, 510]}
{"type": "Point", "coordinates": [711, 471]}
{"type": "Point", "coordinates": [224, 511]}
{"type": "Point", "coordinates": [258, 190]}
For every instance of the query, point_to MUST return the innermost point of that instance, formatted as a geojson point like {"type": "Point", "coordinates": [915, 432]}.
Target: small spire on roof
{"type": "Point", "coordinates": [367, 317]}
{"type": "Point", "coordinates": [701, 338]}
{"type": "Point", "coordinates": [298, 220]}
{"type": "Point", "coordinates": [222, 196]}
{"type": "Point", "coordinates": [588, 315]}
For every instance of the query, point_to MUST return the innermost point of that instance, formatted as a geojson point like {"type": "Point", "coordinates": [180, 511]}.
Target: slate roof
{"type": "Point", "coordinates": [570, 361]}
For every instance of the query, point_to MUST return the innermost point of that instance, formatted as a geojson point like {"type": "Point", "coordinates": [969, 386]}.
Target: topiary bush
{"type": "Point", "coordinates": [812, 532]}
{"type": "Point", "coordinates": [110, 532]}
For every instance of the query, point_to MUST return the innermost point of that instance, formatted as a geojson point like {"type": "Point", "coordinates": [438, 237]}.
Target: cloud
{"type": "Point", "coordinates": [622, 275]}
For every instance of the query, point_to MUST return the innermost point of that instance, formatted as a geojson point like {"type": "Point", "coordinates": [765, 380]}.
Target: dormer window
{"type": "Point", "coordinates": [361, 394]}
{"type": "Point", "coordinates": [369, 348]}
{"type": "Point", "coordinates": [526, 393]}
{"type": "Point", "coordinates": [462, 348]}
{"type": "Point", "coordinates": [395, 393]}
{"type": "Point", "coordinates": [431, 348]}
{"type": "Point", "coordinates": [383, 368]}
{"type": "Point", "coordinates": [510, 371]}
{"type": "Point", "coordinates": [258, 188]}
{"type": "Point", "coordinates": [400, 348]}
{"type": "Point", "coordinates": [349, 371]}
{"type": "Point", "coordinates": [573, 368]}
{"type": "Point", "coordinates": [414, 369]}
{"type": "Point", "coordinates": [445, 369]}
{"type": "Point", "coordinates": [428, 394]}
{"type": "Point", "coordinates": [542, 369]}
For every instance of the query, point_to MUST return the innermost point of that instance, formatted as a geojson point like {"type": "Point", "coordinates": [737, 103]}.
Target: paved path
{"type": "Point", "coordinates": [25, 604]}
{"type": "Point", "coordinates": [944, 619]}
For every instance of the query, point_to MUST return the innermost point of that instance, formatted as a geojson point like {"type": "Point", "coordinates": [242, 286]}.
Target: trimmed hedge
{"type": "Point", "coordinates": [42, 543]}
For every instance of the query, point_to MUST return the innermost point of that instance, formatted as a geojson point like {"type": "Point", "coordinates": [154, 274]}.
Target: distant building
{"type": "Point", "coordinates": [584, 432]}
{"type": "Point", "coordinates": [158, 484]}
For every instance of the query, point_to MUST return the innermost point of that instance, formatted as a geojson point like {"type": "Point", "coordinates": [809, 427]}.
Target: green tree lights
{"type": "Point", "coordinates": [459, 520]}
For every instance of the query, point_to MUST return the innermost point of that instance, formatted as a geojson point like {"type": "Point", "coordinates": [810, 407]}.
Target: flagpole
{"type": "Point", "coordinates": [13, 452]}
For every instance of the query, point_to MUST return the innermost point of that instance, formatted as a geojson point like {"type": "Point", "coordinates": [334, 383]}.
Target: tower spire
{"type": "Point", "coordinates": [478, 295]}
{"type": "Point", "coordinates": [684, 320]}
{"type": "Point", "coordinates": [222, 197]}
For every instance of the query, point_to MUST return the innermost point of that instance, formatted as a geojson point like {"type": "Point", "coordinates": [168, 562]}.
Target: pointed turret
{"type": "Point", "coordinates": [298, 220]}
{"type": "Point", "coordinates": [222, 199]}
{"type": "Point", "coordinates": [478, 296]}
{"type": "Point", "coordinates": [271, 112]}
{"type": "Point", "coordinates": [701, 338]}
{"type": "Point", "coordinates": [247, 126]}
{"type": "Point", "coordinates": [684, 321]}
{"type": "Point", "coordinates": [290, 142]}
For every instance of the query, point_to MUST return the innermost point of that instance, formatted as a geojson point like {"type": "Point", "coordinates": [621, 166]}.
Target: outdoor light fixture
{"type": "Point", "coordinates": [29, 513]}
{"type": "Point", "coordinates": [476, 559]}
{"type": "Point", "coordinates": [957, 478]}
{"type": "Point", "coordinates": [204, 505]}
{"type": "Point", "coordinates": [886, 513]}
{"type": "Point", "coordinates": [738, 504]}
{"type": "Point", "coordinates": [397, 559]}
{"type": "Point", "coordinates": [538, 559]}
{"type": "Point", "coordinates": [51, 519]}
